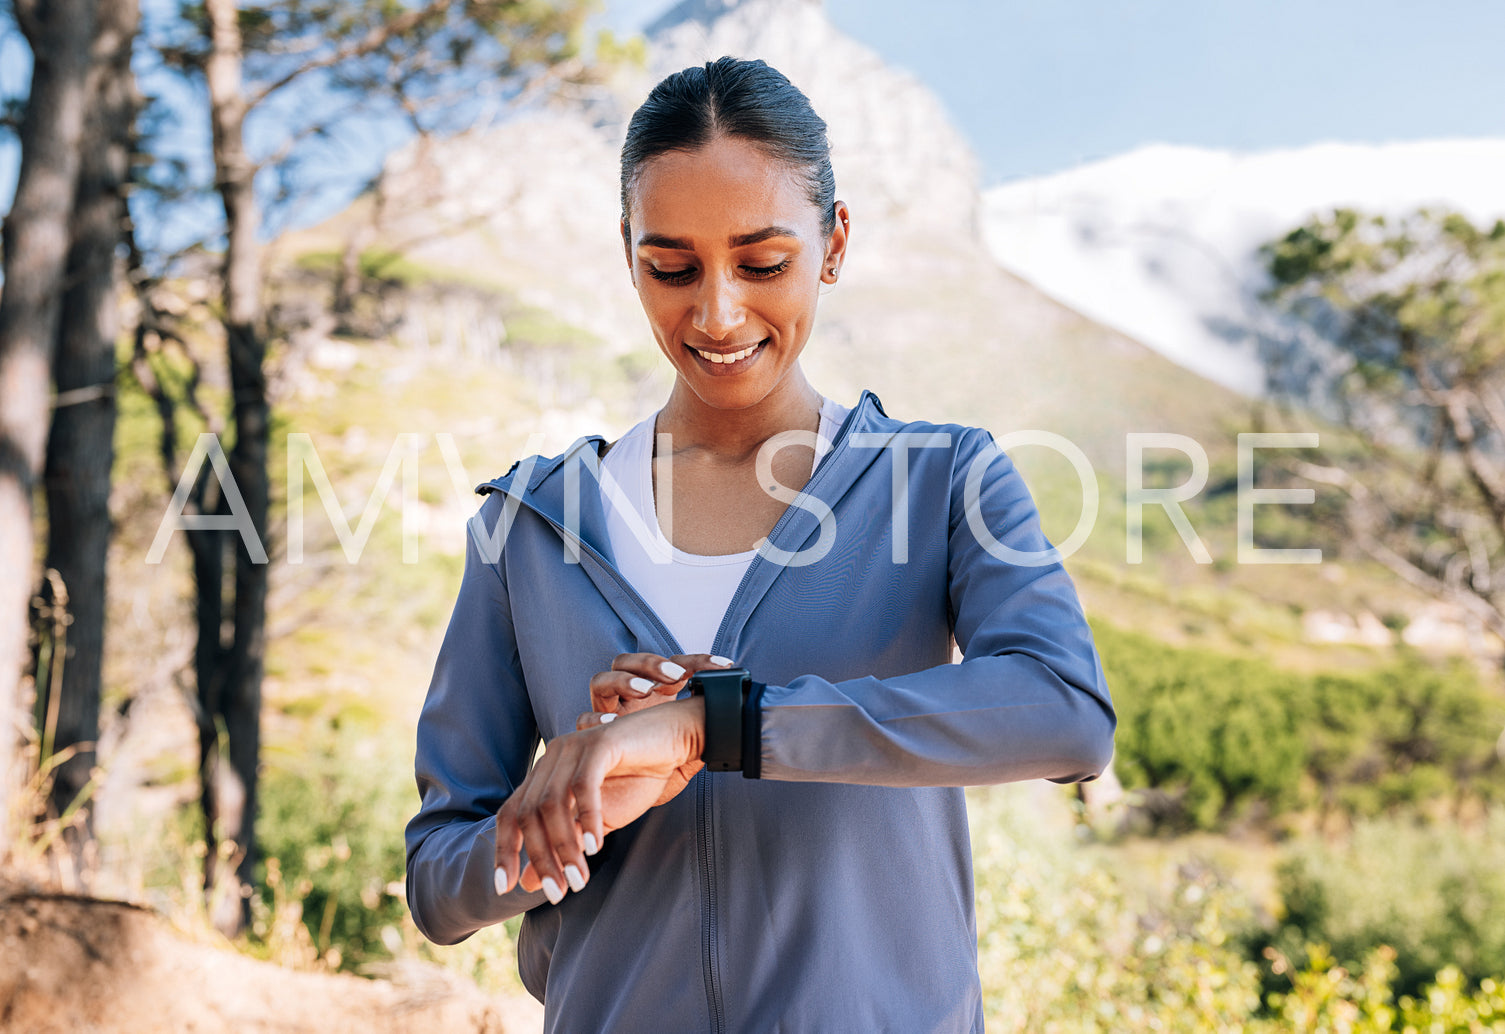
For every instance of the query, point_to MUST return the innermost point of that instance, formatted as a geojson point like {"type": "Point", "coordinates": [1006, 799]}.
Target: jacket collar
{"type": "Point", "coordinates": [562, 490]}
{"type": "Point", "coordinates": [545, 483]}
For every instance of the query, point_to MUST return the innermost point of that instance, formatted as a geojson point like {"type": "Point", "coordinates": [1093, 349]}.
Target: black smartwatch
{"type": "Point", "coordinates": [726, 691]}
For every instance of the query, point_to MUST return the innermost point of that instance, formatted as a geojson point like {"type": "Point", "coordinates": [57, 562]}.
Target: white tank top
{"type": "Point", "coordinates": [689, 592]}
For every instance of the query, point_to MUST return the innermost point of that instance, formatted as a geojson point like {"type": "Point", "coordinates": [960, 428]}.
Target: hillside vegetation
{"type": "Point", "coordinates": [1255, 760]}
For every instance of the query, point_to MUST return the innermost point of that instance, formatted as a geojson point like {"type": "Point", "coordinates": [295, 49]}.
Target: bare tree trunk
{"type": "Point", "coordinates": [238, 695]}
{"type": "Point", "coordinates": [36, 251]}
{"type": "Point", "coordinates": [80, 447]}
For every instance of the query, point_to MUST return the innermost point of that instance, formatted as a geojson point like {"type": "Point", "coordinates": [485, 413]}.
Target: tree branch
{"type": "Point", "coordinates": [1476, 602]}
{"type": "Point", "coordinates": [374, 39]}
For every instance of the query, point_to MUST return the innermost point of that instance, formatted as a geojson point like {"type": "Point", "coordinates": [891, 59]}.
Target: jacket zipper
{"type": "Point", "coordinates": [706, 842]}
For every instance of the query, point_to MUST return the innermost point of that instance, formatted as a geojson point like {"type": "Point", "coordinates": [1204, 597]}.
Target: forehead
{"type": "Point", "coordinates": [727, 187]}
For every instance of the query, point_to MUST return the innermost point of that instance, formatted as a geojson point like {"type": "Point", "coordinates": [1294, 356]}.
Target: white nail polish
{"type": "Point", "coordinates": [576, 881]}
{"type": "Point", "coordinates": [725, 662]}
{"type": "Point", "coordinates": [640, 684]}
{"type": "Point", "coordinates": [551, 890]}
{"type": "Point", "coordinates": [501, 881]}
{"type": "Point", "coordinates": [608, 718]}
{"type": "Point", "coordinates": [672, 670]}
{"type": "Point", "coordinates": [590, 841]}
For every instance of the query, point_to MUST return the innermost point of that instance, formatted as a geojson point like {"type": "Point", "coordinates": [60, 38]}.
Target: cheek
{"type": "Point", "coordinates": [656, 304]}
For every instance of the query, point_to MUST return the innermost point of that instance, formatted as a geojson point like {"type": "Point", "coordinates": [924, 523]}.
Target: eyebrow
{"type": "Point", "coordinates": [741, 240]}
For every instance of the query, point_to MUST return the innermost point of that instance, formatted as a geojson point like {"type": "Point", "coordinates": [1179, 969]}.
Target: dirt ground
{"type": "Point", "coordinates": [80, 965]}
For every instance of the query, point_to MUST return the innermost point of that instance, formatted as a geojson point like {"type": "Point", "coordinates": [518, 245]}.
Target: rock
{"type": "Point", "coordinates": [71, 965]}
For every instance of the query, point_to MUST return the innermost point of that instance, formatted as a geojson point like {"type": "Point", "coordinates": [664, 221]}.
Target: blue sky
{"type": "Point", "coordinates": [1042, 86]}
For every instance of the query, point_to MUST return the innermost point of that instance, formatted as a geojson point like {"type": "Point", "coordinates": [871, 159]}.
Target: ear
{"type": "Point", "coordinates": [836, 244]}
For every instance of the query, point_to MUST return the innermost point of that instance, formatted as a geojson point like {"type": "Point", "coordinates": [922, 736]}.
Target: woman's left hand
{"type": "Point", "coordinates": [593, 781]}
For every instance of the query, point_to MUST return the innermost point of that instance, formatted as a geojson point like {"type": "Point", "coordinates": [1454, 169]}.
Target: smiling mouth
{"type": "Point", "coordinates": [727, 358]}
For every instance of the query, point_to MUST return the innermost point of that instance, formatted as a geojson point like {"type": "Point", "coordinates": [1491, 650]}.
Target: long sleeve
{"type": "Point", "coordinates": [1029, 699]}
{"type": "Point", "coordinates": [476, 739]}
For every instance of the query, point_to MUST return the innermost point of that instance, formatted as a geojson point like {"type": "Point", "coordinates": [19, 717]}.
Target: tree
{"type": "Point", "coordinates": [36, 240]}
{"type": "Point", "coordinates": [303, 68]}
{"type": "Point", "coordinates": [1412, 311]}
{"type": "Point", "coordinates": [80, 444]}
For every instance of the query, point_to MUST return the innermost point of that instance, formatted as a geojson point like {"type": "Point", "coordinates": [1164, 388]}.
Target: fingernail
{"type": "Point", "coordinates": [551, 890]}
{"type": "Point", "coordinates": [725, 662]}
{"type": "Point", "coordinates": [608, 718]}
{"type": "Point", "coordinates": [642, 685]}
{"type": "Point", "coordinates": [501, 881]}
{"type": "Point", "coordinates": [674, 671]}
{"type": "Point", "coordinates": [572, 874]}
{"type": "Point", "coordinates": [590, 838]}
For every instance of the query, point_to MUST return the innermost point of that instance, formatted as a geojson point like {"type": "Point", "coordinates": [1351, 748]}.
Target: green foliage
{"type": "Point", "coordinates": [1326, 996]}
{"type": "Point", "coordinates": [1214, 738]}
{"type": "Point", "coordinates": [1413, 312]}
{"type": "Point", "coordinates": [1436, 895]}
{"type": "Point", "coordinates": [1065, 946]}
{"type": "Point", "coordinates": [1419, 300]}
{"type": "Point", "coordinates": [331, 827]}
{"type": "Point", "coordinates": [1061, 946]}
{"type": "Point", "coordinates": [385, 265]}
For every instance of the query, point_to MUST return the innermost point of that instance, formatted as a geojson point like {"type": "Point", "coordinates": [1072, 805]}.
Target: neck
{"type": "Point", "coordinates": [734, 434]}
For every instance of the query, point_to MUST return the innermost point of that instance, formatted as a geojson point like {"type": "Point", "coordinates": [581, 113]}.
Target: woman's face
{"type": "Point", "coordinates": [727, 256]}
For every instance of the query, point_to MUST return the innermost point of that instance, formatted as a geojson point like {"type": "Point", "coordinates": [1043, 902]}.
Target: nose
{"type": "Point", "coordinates": [718, 307]}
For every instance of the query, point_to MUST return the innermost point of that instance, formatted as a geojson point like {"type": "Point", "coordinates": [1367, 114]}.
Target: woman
{"type": "Point", "coordinates": [825, 882]}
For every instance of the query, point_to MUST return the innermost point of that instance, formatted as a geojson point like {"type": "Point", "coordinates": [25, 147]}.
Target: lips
{"type": "Point", "coordinates": [728, 358]}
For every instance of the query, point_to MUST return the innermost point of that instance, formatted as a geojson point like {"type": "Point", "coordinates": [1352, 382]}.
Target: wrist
{"type": "Point", "coordinates": [693, 709]}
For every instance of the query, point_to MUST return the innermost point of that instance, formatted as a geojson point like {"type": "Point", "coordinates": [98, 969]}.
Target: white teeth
{"type": "Point", "coordinates": [732, 357]}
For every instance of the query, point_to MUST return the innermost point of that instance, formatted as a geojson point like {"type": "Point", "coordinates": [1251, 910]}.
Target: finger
{"type": "Point", "coordinates": [557, 808]}
{"type": "Point", "coordinates": [547, 872]}
{"type": "Point", "coordinates": [591, 719]}
{"type": "Point", "coordinates": [529, 800]}
{"type": "Point", "coordinates": [528, 880]}
{"type": "Point", "coordinates": [608, 688]}
{"type": "Point", "coordinates": [693, 662]}
{"type": "Point", "coordinates": [586, 789]}
{"type": "Point", "coordinates": [649, 665]}
{"type": "Point", "coordinates": [509, 841]}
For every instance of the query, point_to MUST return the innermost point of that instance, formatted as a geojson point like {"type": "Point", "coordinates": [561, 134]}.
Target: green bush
{"type": "Point", "coordinates": [331, 825]}
{"type": "Point", "coordinates": [1435, 894]}
{"type": "Point", "coordinates": [1065, 946]}
{"type": "Point", "coordinates": [1061, 947]}
{"type": "Point", "coordinates": [1214, 738]}
{"type": "Point", "coordinates": [1327, 996]}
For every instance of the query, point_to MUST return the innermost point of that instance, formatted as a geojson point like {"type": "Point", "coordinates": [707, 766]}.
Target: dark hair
{"type": "Point", "coordinates": [746, 99]}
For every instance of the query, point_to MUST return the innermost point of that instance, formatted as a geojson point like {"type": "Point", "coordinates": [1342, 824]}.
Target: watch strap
{"type": "Point", "coordinates": [725, 695]}
{"type": "Point", "coordinates": [752, 731]}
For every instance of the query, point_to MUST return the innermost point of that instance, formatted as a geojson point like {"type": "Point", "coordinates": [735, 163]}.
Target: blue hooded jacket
{"type": "Point", "coordinates": [829, 888]}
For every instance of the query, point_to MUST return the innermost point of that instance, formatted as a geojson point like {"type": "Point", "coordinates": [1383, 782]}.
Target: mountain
{"type": "Point", "coordinates": [1161, 243]}
{"type": "Point", "coordinates": [923, 314]}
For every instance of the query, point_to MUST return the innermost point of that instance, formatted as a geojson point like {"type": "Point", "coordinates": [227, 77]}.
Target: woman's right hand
{"type": "Point", "coordinates": [638, 681]}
